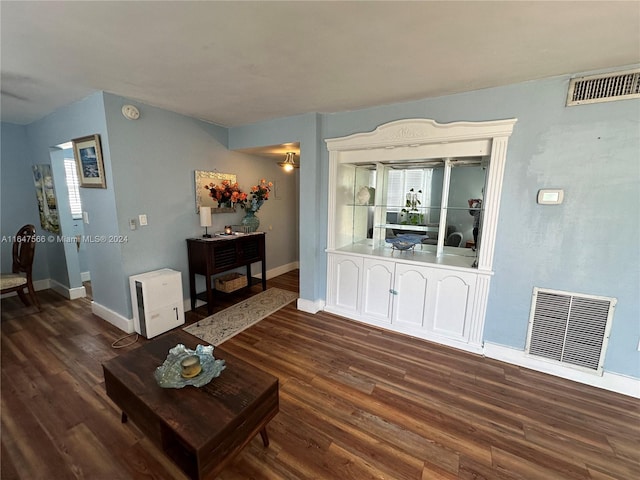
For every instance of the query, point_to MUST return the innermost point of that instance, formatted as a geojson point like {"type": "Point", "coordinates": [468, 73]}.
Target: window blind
{"type": "Point", "coordinates": [73, 187]}
{"type": "Point", "coordinates": [400, 182]}
{"type": "Point", "coordinates": [395, 189]}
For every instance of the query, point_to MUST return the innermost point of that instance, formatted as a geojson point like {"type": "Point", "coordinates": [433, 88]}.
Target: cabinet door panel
{"type": "Point", "coordinates": [377, 296]}
{"type": "Point", "coordinates": [346, 283]}
{"type": "Point", "coordinates": [452, 297]}
{"type": "Point", "coordinates": [411, 292]}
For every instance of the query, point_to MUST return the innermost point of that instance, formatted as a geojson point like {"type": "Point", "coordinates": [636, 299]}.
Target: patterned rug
{"type": "Point", "coordinates": [223, 325]}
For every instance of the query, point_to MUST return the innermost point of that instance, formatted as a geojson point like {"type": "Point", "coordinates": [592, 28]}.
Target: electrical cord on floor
{"type": "Point", "coordinates": [114, 344]}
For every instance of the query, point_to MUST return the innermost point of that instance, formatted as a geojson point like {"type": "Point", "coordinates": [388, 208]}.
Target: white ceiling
{"type": "Point", "coordinates": [234, 63]}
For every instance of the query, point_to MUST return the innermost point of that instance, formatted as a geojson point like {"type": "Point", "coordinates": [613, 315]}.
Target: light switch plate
{"type": "Point", "coordinates": [550, 196]}
{"type": "Point", "coordinates": [142, 219]}
{"type": "Point", "coordinates": [132, 224]}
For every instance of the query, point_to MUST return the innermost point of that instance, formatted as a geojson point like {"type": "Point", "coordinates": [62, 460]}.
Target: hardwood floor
{"type": "Point", "coordinates": [355, 403]}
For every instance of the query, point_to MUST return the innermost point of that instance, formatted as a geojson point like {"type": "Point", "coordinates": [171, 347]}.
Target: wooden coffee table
{"type": "Point", "coordinates": [200, 429]}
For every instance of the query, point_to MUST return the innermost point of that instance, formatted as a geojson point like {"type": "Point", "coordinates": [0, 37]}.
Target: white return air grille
{"type": "Point", "coordinates": [604, 88]}
{"type": "Point", "coordinates": [570, 328]}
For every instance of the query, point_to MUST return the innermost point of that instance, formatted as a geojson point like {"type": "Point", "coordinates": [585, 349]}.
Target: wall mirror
{"type": "Point", "coordinates": [420, 196]}
{"type": "Point", "coordinates": [204, 179]}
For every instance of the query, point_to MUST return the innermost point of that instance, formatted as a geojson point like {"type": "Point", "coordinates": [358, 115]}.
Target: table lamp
{"type": "Point", "coordinates": [205, 220]}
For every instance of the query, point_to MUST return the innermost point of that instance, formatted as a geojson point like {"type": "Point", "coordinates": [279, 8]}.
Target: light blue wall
{"type": "Point", "coordinates": [154, 160]}
{"type": "Point", "coordinates": [312, 220]}
{"type": "Point", "coordinates": [589, 243]}
{"type": "Point", "coordinates": [79, 119]}
{"type": "Point", "coordinates": [18, 196]}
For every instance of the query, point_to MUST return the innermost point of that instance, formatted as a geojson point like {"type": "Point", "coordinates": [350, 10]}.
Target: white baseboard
{"type": "Point", "coordinates": [70, 293]}
{"type": "Point", "coordinates": [608, 381]}
{"type": "Point", "coordinates": [282, 269]}
{"type": "Point", "coordinates": [85, 276]}
{"type": "Point", "coordinates": [78, 292]}
{"type": "Point", "coordinates": [114, 318]}
{"type": "Point", "coordinates": [310, 306]}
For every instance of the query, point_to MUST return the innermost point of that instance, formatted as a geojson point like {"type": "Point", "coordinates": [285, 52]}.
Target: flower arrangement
{"type": "Point", "coordinates": [259, 195]}
{"type": "Point", "coordinates": [411, 214]}
{"type": "Point", "coordinates": [227, 193]}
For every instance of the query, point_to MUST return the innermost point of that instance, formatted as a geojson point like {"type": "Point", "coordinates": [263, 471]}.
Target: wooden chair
{"type": "Point", "coordinates": [24, 247]}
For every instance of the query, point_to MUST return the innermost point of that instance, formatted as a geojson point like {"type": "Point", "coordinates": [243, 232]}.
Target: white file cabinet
{"type": "Point", "coordinates": [156, 299]}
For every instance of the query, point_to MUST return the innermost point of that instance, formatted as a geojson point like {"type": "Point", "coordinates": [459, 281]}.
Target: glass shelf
{"type": "Point", "coordinates": [401, 226]}
{"type": "Point", "coordinates": [398, 208]}
{"type": "Point", "coordinates": [463, 208]}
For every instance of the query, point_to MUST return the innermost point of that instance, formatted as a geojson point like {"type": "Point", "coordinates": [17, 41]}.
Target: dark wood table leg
{"type": "Point", "coordinates": [264, 275]}
{"type": "Point", "coordinates": [124, 418]}
{"type": "Point", "coordinates": [265, 438]}
{"type": "Point", "coordinates": [209, 294]}
{"type": "Point", "coordinates": [192, 289]}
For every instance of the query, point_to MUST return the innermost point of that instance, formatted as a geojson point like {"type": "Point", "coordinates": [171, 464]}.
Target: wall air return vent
{"type": "Point", "coordinates": [570, 328]}
{"type": "Point", "coordinates": [604, 88]}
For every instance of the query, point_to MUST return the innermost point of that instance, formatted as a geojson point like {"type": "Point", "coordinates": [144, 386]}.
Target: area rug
{"type": "Point", "coordinates": [223, 325]}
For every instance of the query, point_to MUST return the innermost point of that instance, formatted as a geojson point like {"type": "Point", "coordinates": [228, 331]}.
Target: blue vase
{"type": "Point", "coordinates": [251, 221]}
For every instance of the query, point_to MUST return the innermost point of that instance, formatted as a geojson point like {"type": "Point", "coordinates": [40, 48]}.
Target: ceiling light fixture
{"type": "Point", "coordinates": [289, 162]}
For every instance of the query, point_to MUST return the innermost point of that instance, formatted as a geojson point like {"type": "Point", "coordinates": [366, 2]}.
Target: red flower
{"type": "Point", "coordinates": [226, 193]}
{"type": "Point", "coordinates": [259, 194]}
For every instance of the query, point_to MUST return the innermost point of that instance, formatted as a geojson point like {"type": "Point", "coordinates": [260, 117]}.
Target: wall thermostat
{"type": "Point", "coordinates": [550, 196]}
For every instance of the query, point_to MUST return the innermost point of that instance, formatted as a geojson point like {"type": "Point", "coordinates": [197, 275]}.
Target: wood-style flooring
{"type": "Point", "coordinates": [355, 403]}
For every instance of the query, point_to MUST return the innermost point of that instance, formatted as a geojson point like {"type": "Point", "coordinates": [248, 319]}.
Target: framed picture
{"type": "Point", "coordinates": [89, 162]}
{"type": "Point", "coordinates": [46, 195]}
{"type": "Point", "coordinates": [203, 180]}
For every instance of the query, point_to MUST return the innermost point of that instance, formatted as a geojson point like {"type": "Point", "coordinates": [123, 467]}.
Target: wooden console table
{"type": "Point", "coordinates": [200, 429]}
{"type": "Point", "coordinates": [209, 256]}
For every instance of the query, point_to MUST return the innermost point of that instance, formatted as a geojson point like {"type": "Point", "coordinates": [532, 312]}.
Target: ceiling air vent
{"type": "Point", "coordinates": [570, 328]}
{"type": "Point", "coordinates": [604, 88]}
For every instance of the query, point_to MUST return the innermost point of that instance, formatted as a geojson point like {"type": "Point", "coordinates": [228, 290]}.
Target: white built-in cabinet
{"type": "Point", "coordinates": [417, 299]}
{"type": "Point", "coordinates": [433, 292]}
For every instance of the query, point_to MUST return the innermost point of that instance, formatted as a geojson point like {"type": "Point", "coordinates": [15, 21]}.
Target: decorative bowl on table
{"type": "Point", "coordinates": [400, 245]}
{"type": "Point", "coordinates": [406, 241]}
{"type": "Point", "coordinates": [170, 373]}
